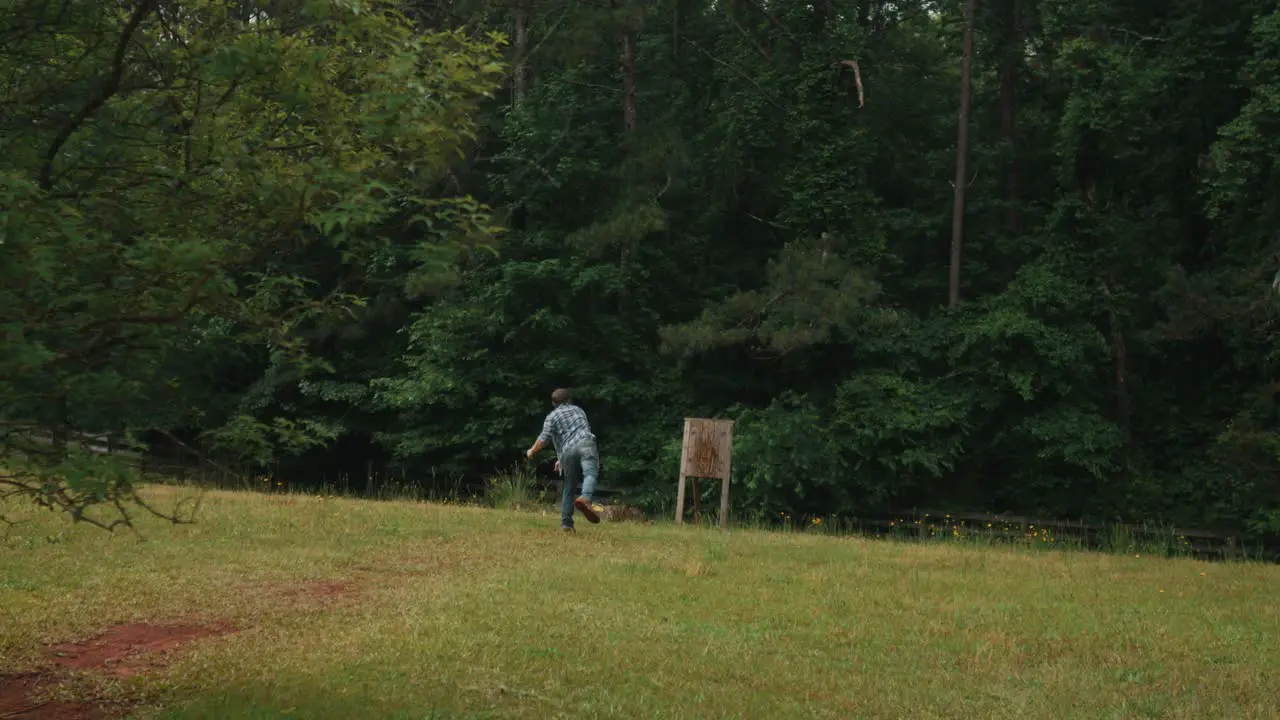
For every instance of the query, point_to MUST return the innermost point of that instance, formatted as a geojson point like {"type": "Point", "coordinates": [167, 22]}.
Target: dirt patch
{"type": "Point", "coordinates": [623, 513]}
{"type": "Point", "coordinates": [327, 588]}
{"type": "Point", "coordinates": [321, 590]}
{"type": "Point", "coordinates": [20, 700]}
{"type": "Point", "coordinates": [122, 651]}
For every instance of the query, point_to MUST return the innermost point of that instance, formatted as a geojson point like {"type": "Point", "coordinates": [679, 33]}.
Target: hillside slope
{"type": "Point", "coordinates": [332, 608]}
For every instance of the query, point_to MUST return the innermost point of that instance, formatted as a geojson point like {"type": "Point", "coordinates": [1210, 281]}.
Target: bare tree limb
{"type": "Point", "coordinates": [754, 5]}
{"type": "Point", "coordinates": [747, 36]}
{"type": "Point", "coordinates": [107, 89]}
{"type": "Point", "coordinates": [737, 72]}
{"type": "Point", "coordinates": [201, 456]}
{"type": "Point", "coordinates": [1138, 36]}
{"type": "Point", "coordinates": [587, 84]}
{"type": "Point", "coordinates": [9, 525]}
{"type": "Point", "coordinates": [551, 31]}
{"type": "Point", "coordinates": [665, 188]}
{"type": "Point", "coordinates": [770, 223]}
{"type": "Point", "coordinates": [77, 505]}
{"type": "Point", "coordinates": [173, 518]}
{"type": "Point", "coordinates": [857, 77]}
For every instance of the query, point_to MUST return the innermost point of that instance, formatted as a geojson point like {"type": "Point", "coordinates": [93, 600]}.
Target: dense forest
{"type": "Point", "coordinates": [1008, 255]}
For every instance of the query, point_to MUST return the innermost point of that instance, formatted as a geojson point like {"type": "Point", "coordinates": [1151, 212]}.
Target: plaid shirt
{"type": "Point", "coordinates": [565, 427]}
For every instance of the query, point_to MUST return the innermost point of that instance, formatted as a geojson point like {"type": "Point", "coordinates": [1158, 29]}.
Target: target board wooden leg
{"type": "Point", "coordinates": [724, 504]}
{"type": "Point", "coordinates": [680, 501]}
{"type": "Point", "coordinates": [724, 482]}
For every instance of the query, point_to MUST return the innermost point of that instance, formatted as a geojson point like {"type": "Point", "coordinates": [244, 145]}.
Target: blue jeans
{"type": "Point", "coordinates": [580, 465]}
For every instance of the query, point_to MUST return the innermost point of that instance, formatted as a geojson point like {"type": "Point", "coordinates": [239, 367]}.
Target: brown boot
{"type": "Point", "coordinates": [584, 506]}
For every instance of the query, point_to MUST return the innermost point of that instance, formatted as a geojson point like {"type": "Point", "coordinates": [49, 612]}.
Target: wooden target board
{"type": "Point", "coordinates": [707, 452]}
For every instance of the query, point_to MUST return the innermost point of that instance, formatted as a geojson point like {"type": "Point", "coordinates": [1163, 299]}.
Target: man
{"type": "Point", "coordinates": [577, 458]}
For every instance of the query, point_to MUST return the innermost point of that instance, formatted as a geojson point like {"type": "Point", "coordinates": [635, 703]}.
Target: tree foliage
{"type": "Point", "coordinates": [265, 227]}
{"type": "Point", "coordinates": [170, 171]}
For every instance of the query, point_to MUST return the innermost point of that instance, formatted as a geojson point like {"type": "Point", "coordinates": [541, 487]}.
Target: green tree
{"type": "Point", "coordinates": [166, 168]}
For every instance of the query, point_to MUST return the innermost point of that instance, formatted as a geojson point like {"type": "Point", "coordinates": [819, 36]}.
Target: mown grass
{"type": "Point", "coordinates": [465, 612]}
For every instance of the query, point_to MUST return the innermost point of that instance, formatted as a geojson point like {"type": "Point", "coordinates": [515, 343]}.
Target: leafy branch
{"type": "Point", "coordinates": [106, 90]}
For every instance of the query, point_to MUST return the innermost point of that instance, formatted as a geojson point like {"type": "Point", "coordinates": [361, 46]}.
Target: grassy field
{"type": "Point", "coordinates": [436, 611]}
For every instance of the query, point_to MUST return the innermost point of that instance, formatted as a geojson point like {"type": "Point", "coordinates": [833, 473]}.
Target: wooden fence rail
{"type": "Point", "coordinates": [1026, 521]}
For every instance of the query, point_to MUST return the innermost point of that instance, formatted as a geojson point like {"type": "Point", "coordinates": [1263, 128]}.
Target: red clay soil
{"type": "Point", "coordinates": [121, 651]}
{"type": "Point", "coordinates": [321, 589]}
{"type": "Point", "coordinates": [116, 651]}
{"type": "Point", "coordinates": [18, 701]}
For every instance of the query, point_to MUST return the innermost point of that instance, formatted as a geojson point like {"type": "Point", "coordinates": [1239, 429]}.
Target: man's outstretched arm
{"type": "Point", "coordinates": [543, 439]}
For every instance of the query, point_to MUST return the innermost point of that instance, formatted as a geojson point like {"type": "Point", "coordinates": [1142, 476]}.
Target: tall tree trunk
{"type": "Point", "coordinates": [628, 81]}
{"type": "Point", "coordinates": [628, 127]}
{"type": "Point", "coordinates": [677, 27]}
{"type": "Point", "coordinates": [1123, 405]}
{"type": "Point", "coordinates": [520, 76]}
{"type": "Point", "coordinates": [1120, 361]}
{"type": "Point", "coordinates": [1009, 113]}
{"type": "Point", "coordinates": [962, 153]}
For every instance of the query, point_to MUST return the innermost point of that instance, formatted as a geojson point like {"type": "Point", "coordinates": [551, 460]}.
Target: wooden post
{"type": "Point", "coordinates": [724, 491]}
{"type": "Point", "coordinates": [684, 452]}
{"type": "Point", "coordinates": [706, 452]}
{"type": "Point", "coordinates": [680, 502]}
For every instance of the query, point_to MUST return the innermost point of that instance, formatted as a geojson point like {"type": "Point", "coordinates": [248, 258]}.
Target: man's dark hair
{"type": "Point", "coordinates": [560, 396]}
